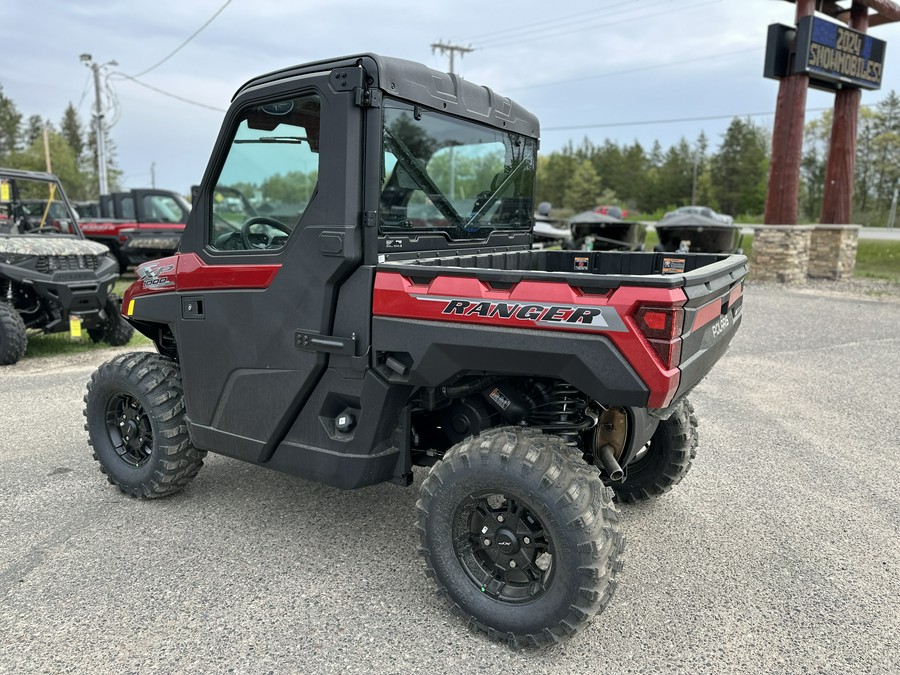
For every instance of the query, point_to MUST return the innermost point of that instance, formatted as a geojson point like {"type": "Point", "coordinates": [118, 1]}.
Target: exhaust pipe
{"type": "Point", "coordinates": [608, 461]}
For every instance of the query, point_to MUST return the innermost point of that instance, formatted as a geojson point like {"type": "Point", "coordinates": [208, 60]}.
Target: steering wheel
{"type": "Point", "coordinates": [261, 220]}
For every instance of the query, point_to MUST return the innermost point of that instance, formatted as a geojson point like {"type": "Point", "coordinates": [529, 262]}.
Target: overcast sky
{"type": "Point", "coordinates": [615, 69]}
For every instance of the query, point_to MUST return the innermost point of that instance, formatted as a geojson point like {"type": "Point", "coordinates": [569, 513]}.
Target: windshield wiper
{"type": "Point", "coordinates": [422, 179]}
{"type": "Point", "coordinates": [273, 139]}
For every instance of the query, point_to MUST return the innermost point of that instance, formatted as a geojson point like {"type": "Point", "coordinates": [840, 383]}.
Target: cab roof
{"type": "Point", "coordinates": [419, 84]}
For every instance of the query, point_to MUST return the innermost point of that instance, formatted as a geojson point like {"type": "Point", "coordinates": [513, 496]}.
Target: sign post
{"type": "Point", "coordinates": [826, 55]}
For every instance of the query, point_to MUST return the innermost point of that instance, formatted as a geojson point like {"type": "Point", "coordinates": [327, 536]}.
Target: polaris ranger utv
{"type": "Point", "coordinates": [382, 308]}
{"type": "Point", "coordinates": [51, 279]}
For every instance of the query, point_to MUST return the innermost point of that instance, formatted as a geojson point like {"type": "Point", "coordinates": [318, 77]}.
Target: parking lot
{"type": "Point", "coordinates": [780, 552]}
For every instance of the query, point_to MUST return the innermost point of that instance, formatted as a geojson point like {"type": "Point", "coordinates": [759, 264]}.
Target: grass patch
{"type": "Point", "coordinates": [59, 344]}
{"type": "Point", "coordinates": [878, 259]}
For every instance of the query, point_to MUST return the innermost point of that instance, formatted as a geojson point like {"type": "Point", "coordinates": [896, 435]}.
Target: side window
{"type": "Point", "coordinates": [128, 208]}
{"type": "Point", "coordinates": [162, 209]}
{"type": "Point", "coordinates": [268, 177]}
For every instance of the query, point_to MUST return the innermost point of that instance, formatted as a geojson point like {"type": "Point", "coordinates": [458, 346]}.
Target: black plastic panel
{"type": "Point", "coordinates": [439, 351]}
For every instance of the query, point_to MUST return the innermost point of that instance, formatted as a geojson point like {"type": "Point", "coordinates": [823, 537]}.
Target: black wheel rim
{"type": "Point", "coordinates": [128, 427]}
{"type": "Point", "coordinates": [503, 548]}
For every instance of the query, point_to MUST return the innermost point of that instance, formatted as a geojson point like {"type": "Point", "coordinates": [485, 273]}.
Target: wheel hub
{"type": "Point", "coordinates": [130, 432]}
{"type": "Point", "coordinates": [507, 541]}
{"type": "Point", "coordinates": [129, 429]}
{"type": "Point", "coordinates": [503, 548]}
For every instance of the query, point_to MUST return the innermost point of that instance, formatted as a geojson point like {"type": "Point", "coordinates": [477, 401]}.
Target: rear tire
{"type": "Point", "coordinates": [116, 331]}
{"type": "Point", "coordinates": [666, 459]}
{"type": "Point", "coordinates": [135, 419]}
{"type": "Point", "coordinates": [13, 340]}
{"type": "Point", "coordinates": [520, 536]}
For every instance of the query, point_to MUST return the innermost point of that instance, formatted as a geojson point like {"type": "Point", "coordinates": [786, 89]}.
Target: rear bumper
{"type": "Point", "coordinates": [141, 247]}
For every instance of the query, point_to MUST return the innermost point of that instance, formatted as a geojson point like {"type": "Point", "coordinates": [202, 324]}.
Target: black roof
{"type": "Point", "coordinates": [33, 175]}
{"type": "Point", "coordinates": [417, 83]}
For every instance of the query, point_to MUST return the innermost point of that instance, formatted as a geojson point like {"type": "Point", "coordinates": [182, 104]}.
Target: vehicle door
{"type": "Point", "coordinates": [272, 234]}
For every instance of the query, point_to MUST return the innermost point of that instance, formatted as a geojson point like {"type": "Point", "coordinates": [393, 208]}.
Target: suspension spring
{"type": "Point", "coordinates": [562, 412]}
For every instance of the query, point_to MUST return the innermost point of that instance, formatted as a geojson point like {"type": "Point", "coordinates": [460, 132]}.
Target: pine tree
{"type": "Point", "coordinates": [10, 126]}
{"type": "Point", "coordinates": [73, 131]}
{"type": "Point", "coordinates": [584, 188]}
{"type": "Point", "coordinates": [34, 130]}
{"type": "Point", "coordinates": [739, 170]}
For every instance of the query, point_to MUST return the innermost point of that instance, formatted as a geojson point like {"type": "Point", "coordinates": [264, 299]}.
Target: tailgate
{"type": "Point", "coordinates": [712, 314]}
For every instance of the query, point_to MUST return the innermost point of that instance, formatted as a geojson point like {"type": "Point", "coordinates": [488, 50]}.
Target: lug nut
{"type": "Point", "coordinates": [512, 563]}
{"type": "Point", "coordinates": [487, 542]}
{"type": "Point", "coordinates": [499, 519]}
{"type": "Point", "coordinates": [526, 540]}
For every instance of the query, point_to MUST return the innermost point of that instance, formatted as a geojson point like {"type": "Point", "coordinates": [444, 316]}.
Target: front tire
{"type": "Point", "coordinates": [520, 536]}
{"type": "Point", "coordinates": [664, 461]}
{"type": "Point", "coordinates": [13, 339]}
{"type": "Point", "coordinates": [135, 419]}
{"type": "Point", "coordinates": [116, 331]}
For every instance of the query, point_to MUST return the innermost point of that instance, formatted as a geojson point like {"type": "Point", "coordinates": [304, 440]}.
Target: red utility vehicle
{"type": "Point", "coordinates": [381, 307]}
{"type": "Point", "coordinates": [138, 225]}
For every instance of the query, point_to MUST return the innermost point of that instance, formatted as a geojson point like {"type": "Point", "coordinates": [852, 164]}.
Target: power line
{"type": "Point", "coordinates": [705, 118]}
{"type": "Point", "coordinates": [633, 70]}
{"type": "Point", "coordinates": [182, 45]}
{"type": "Point", "coordinates": [132, 78]}
{"type": "Point", "coordinates": [564, 20]}
{"type": "Point", "coordinates": [515, 35]}
{"type": "Point", "coordinates": [593, 26]}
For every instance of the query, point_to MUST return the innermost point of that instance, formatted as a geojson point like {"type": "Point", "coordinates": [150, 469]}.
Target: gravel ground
{"type": "Point", "coordinates": [779, 553]}
{"type": "Point", "coordinates": [869, 289]}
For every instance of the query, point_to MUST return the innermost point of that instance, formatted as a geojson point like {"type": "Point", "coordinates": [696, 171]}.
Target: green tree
{"type": "Point", "coordinates": [739, 170]}
{"type": "Point", "coordinates": [553, 175]}
{"type": "Point", "coordinates": [293, 187]}
{"type": "Point", "coordinates": [675, 176]}
{"type": "Point", "coordinates": [72, 130]}
{"type": "Point", "coordinates": [584, 188]}
{"type": "Point", "coordinates": [816, 138]}
{"type": "Point", "coordinates": [65, 164]}
{"type": "Point", "coordinates": [884, 154]}
{"type": "Point", "coordinates": [34, 130]}
{"type": "Point", "coordinates": [10, 126]}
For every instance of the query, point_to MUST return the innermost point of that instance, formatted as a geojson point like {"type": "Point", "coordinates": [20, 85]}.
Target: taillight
{"type": "Point", "coordinates": [662, 327]}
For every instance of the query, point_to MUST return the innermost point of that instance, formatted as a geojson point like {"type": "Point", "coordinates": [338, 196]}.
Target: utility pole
{"type": "Point", "coordinates": [892, 216]}
{"type": "Point", "coordinates": [452, 49]}
{"type": "Point", "coordinates": [47, 148]}
{"type": "Point", "coordinates": [99, 130]}
{"type": "Point", "coordinates": [153, 175]}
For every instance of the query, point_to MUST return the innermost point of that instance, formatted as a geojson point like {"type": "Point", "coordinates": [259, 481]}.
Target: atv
{"type": "Point", "coordinates": [51, 279]}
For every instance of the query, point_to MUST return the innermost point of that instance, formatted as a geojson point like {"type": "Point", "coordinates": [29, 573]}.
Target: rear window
{"type": "Point", "coordinates": [441, 173]}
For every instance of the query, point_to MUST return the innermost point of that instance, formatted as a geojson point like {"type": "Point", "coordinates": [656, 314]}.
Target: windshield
{"type": "Point", "coordinates": [34, 206]}
{"type": "Point", "coordinates": [446, 174]}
